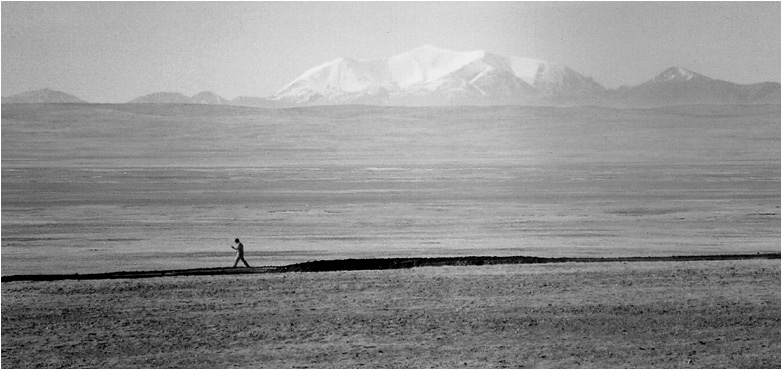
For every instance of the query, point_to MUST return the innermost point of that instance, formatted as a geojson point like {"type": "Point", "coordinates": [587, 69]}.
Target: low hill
{"type": "Point", "coordinates": [41, 96]}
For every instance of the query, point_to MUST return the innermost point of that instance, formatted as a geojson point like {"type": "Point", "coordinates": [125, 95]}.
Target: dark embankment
{"type": "Point", "coordinates": [400, 263]}
{"type": "Point", "coordinates": [378, 264]}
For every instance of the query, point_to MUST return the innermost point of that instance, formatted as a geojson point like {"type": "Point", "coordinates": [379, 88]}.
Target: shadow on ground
{"type": "Point", "coordinates": [377, 264]}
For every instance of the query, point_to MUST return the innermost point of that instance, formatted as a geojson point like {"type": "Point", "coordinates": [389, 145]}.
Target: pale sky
{"type": "Point", "coordinates": [113, 52]}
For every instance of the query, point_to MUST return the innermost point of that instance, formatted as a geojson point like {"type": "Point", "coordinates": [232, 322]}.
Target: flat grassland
{"type": "Point", "coordinates": [98, 188]}
{"type": "Point", "coordinates": [715, 314]}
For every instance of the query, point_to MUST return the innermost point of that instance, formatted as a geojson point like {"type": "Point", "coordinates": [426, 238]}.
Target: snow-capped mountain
{"type": "Point", "coordinates": [428, 76]}
{"type": "Point", "coordinates": [41, 96]}
{"type": "Point", "coordinates": [678, 86]}
{"type": "Point", "coordinates": [675, 74]}
{"type": "Point", "coordinates": [433, 76]}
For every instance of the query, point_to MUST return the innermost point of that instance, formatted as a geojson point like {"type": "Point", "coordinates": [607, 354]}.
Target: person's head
{"type": "Point", "coordinates": [236, 240]}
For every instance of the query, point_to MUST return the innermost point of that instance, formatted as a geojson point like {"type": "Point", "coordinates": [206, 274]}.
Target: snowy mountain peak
{"type": "Point", "coordinates": [675, 74]}
{"type": "Point", "coordinates": [428, 73]}
{"type": "Point", "coordinates": [427, 63]}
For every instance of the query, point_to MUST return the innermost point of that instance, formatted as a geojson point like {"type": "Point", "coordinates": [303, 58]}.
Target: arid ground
{"type": "Point", "coordinates": [716, 314]}
{"type": "Point", "coordinates": [100, 188]}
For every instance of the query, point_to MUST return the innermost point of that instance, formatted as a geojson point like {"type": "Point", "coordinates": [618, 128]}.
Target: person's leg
{"type": "Point", "coordinates": [245, 262]}
{"type": "Point", "coordinates": [236, 261]}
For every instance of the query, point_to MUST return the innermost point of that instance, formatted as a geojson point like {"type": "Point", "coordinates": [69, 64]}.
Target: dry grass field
{"type": "Point", "coordinates": [100, 188]}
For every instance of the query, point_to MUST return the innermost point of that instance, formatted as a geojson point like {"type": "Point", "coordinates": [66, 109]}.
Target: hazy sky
{"type": "Point", "coordinates": [116, 51]}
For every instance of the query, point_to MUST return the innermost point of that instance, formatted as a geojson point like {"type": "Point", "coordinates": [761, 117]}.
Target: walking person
{"type": "Point", "coordinates": [239, 253]}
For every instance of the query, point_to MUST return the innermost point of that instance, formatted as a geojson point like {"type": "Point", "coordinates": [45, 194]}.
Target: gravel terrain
{"type": "Point", "coordinates": [695, 314]}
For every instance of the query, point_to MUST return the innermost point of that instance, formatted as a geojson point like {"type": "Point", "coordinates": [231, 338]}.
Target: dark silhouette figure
{"type": "Point", "coordinates": [239, 253]}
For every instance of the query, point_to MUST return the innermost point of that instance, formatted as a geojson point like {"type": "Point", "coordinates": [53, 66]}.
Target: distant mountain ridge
{"type": "Point", "coordinates": [677, 86]}
{"type": "Point", "coordinates": [433, 76]}
{"type": "Point", "coordinates": [41, 96]}
{"type": "Point", "coordinates": [204, 97]}
{"type": "Point", "coordinates": [430, 76]}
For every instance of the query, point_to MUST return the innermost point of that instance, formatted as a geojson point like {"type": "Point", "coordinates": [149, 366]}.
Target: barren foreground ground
{"type": "Point", "coordinates": [716, 314]}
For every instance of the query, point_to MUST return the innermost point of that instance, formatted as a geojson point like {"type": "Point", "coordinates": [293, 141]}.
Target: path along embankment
{"type": "Point", "coordinates": [377, 264]}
